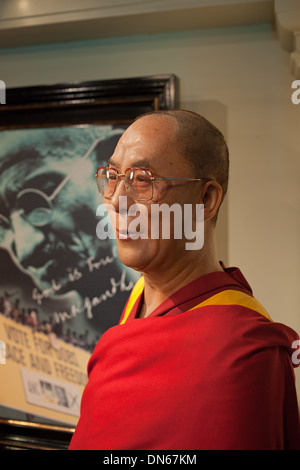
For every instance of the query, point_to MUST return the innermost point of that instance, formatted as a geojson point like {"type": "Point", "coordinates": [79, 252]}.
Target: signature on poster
{"type": "Point", "coordinates": [90, 303]}
{"type": "Point", "coordinates": [39, 295]}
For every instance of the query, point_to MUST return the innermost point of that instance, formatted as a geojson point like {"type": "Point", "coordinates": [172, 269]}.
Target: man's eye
{"type": "Point", "coordinates": [39, 216]}
{"type": "Point", "coordinates": [141, 179]}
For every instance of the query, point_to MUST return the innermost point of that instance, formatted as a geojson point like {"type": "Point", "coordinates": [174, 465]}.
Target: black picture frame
{"type": "Point", "coordinates": [115, 102]}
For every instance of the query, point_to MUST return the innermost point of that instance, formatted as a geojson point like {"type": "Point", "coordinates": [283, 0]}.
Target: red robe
{"type": "Point", "coordinates": [208, 369]}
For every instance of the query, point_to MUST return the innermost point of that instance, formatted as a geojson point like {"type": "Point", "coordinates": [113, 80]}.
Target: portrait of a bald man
{"type": "Point", "coordinates": [196, 362]}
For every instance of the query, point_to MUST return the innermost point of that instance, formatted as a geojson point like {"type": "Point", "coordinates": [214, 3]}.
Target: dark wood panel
{"type": "Point", "coordinates": [22, 435]}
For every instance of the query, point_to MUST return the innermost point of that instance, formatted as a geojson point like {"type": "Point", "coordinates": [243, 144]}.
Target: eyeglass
{"type": "Point", "coordinates": [32, 205]}
{"type": "Point", "coordinates": [139, 182]}
{"type": "Point", "coordinates": [35, 206]}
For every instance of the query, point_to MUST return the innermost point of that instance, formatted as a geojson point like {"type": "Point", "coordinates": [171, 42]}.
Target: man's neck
{"type": "Point", "coordinates": [159, 286]}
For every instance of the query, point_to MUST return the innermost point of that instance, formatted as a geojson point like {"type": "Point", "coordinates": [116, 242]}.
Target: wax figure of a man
{"type": "Point", "coordinates": [196, 362]}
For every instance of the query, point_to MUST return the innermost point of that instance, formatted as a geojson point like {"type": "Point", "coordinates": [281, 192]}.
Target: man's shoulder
{"type": "Point", "coordinates": [235, 298]}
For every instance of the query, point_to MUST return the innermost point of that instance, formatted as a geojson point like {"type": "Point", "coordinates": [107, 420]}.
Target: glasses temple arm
{"type": "Point", "coordinates": [185, 179]}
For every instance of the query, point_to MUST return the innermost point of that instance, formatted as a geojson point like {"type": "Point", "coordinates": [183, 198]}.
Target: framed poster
{"type": "Point", "coordinates": [61, 287]}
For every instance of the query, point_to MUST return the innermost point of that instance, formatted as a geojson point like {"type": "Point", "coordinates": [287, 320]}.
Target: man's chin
{"type": "Point", "coordinates": [134, 254]}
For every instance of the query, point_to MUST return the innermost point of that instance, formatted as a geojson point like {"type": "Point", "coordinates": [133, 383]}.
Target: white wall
{"type": "Point", "coordinates": [240, 79]}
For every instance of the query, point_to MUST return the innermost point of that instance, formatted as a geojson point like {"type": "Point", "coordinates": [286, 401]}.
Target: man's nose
{"type": "Point", "coordinates": [115, 201]}
{"type": "Point", "coordinates": [26, 236]}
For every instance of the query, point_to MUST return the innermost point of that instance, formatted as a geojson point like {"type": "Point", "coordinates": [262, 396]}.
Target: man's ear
{"type": "Point", "coordinates": [211, 197]}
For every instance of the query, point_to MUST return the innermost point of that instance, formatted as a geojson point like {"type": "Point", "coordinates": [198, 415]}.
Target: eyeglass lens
{"type": "Point", "coordinates": [32, 206]}
{"type": "Point", "coordinates": [36, 208]}
{"type": "Point", "coordinates": [138, 183]}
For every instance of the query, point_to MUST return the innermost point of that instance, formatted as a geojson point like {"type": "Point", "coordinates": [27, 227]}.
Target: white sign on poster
{"type": "Point", "coordinates": [42, 390]}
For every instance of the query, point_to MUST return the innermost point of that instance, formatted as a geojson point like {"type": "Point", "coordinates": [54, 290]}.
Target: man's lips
{"type": "Point", "coordinates": [125, 235]}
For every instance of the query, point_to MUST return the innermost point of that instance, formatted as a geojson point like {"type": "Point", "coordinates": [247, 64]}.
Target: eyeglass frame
{"type": "Point", "coordinates": [152, 178]}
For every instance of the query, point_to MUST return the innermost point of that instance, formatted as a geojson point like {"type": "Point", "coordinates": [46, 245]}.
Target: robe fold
{"type": "Point", "coordinates": [208, 369]}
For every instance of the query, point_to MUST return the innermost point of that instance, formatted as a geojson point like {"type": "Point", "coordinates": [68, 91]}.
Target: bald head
{"type": "Point", "coordinates": [201, 143]}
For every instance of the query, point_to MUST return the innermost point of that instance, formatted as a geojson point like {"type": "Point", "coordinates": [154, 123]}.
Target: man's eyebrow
{"type": "Point", "coordinates": [141, 163]}
{"type": "Point", "coordinates": [112, 163]}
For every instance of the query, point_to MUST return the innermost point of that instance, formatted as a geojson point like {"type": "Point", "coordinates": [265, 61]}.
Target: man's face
{"type": "Point", "coordinates": [50, 251]}
{"type": "Point", "coordinates": [148, 143]}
